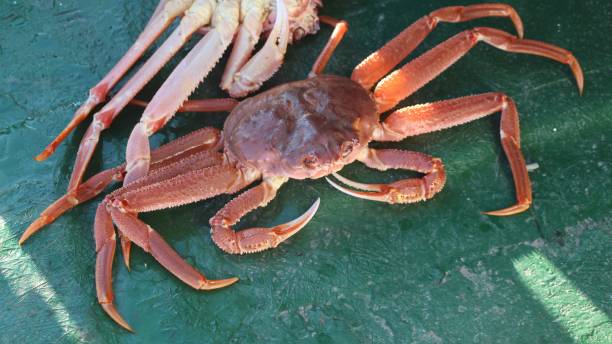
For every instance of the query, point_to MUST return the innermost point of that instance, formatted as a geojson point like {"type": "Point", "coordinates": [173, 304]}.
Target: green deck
{"type": "Point", "coordinates": [360, 272]}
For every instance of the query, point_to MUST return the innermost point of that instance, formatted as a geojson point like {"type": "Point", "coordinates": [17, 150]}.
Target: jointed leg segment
{"type": "Point", "coordinates": [421, 119]}
{"type": "Point", "coordinates": [254, 239]}
{"type": "Point", "coordinates": [379, 63]}
{"type": "Point", "coordinates": [415, 74]}
{"type": "Point", "coordinates": [206, 139]}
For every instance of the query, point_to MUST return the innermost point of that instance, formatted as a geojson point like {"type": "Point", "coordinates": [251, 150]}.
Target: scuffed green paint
{"type": "Point", "coordinates": [567, 304]}
{"type": "Point", "coordinates": [360, 272]}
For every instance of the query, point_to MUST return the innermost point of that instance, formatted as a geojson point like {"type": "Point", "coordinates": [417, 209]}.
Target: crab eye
{"type": "Point", "coordinates": [347, 148]}
{"type": "Point", "coordinates": [310, 161]}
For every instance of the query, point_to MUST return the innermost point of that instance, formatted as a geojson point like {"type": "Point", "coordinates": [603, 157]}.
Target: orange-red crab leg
{"type": "Point", "coordinates": [187, 161]}
{"type": "Point", "coordinates": [340, 29]}
{"type": "Point", "coordinates": [415, 74]}
{"type": "Point", "coordinates": [198, 15]}
{"type": "Point", "coordinates": [166, 12]}
{"type": "Point", "coordinates": [254, 239]}
{"type": "Point", "coordinates": [179, 85]}
{"type": "Point", "coordinates": [403, 191]}
{"type": "Point", "coordinates": [206, 139]}
{"type": "Point", "coordinates": [421, 119]}
{"type": "Point", "coordinates": [379, 63]}
{"type": "Point", "coordinates": [266, 61]}
{"type": "Point", "coordinates": [122, 207]}
{"type": "Point", "coordinates": [150, 241]}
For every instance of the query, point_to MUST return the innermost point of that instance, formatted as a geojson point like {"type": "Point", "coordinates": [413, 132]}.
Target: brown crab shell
{"type": "Point", "coordinates": [303, 129]}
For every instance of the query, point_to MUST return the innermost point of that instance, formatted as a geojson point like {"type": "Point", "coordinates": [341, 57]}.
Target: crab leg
{"type": "Point", "coordinates": [252, 17]}
{"type": "Point", "coordinates": [340, 29]}
{"type": "Point", "coordinates": [254, 239]}
{"type": "Point", "coordinates": [199, 105]}
{"type": "Point", "coordinates": [123, 205]}
{"type": "Point", "coordinates": [415, 74]}
{"type": "Point", "coordinates": [403, 191]}
{"type": "Point", "coordinates": [166, 12]}
{"type": "Point", "coordinates": [421, 119]}
{"type": "Point", "coordinates": [267, 61]}
{"type": "Point", "coordinates": [379, 63]}
{"type": "Point", "coordinates": [206, 139]}
{"type": "Point", "coordinates": [198, 15]}
{"type": "Point", "coordinates": [179, 85]}
{"type": "Point", "coordinates": [150, 241]}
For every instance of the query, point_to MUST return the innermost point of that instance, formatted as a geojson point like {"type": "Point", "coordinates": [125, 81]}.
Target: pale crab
{"type": "Point", "coordinates": [222, 22]}
{"type": "Point", "coordinates": [306, 130]}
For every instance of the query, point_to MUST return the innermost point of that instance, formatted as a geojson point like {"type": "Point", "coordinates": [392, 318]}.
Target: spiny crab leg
{"type": "Point", "coordinates": [266, 61]}
{"type": "Point", "coordinates": [198, 15]}
{"type": "Point", "coordinates": [418, 72]}
{"type": "Point", "coordinates": [166, 12]}
{"type": "Point", "coordinates": [179, 85]}
{"type": "Point", "coordinates": [379, 63]}
{"type": "Point", "coordinates": [206, 139]}
{"type": "Point", "coordinates": [254, 239]}
{"type": "Point", "coordinates": [122, 207]}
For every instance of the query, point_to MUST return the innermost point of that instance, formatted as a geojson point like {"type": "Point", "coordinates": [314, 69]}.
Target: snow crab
{"type": "Point", "coordinates": [222, 22]}
{"type": "Point", "coordinates": [306, 130]}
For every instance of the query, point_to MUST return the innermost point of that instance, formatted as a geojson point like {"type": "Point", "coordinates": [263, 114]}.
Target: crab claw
{"type": "Point", "coordinates": [402, 191]}
{"type": "Point", "coordinates": [267, 61]}
{"type": "Point", "coordinates": [254, 239]}
{"type": "Point", "coordinates": [112, 312]}
{"type": "Point", "coordinates": [374, 190]}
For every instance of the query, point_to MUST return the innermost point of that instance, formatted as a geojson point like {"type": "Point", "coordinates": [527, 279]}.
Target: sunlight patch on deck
{"type": "Point", "coordinates": [565, 303]}
{"type": "Point", "coordinates": [24, 278]}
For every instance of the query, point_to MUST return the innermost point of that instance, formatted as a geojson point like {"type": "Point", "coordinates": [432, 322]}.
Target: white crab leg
{"type": "Point", "coordinates": [252, 17]}
{"type": "Point", "coordinates": [198, 15]}
{"type": "Point", "coordinates": [164, 15]}
{"type": "Point", "coordinates": [179, 85]}
{"type": "Point", "coordinates": [268, 60]}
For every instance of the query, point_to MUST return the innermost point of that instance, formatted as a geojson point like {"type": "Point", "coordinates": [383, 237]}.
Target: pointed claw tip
{"type": "Point", "coordinates": [112, 312]}
{"type": "Point", "coordinates": [218, 284]}
{"type": "Point", "coordinates": [44, 154]}
{"type": "Point", "coordinates": [32, 228]}
{"type": "Point", "coordinates": [513, 210]}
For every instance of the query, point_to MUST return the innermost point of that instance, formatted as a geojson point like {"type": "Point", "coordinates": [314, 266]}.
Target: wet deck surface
{"type": "Point", "coordinates": [437, 272]}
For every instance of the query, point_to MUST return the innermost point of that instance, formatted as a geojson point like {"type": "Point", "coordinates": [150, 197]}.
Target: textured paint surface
{"type": "Point", "coordinates": [361, 272]}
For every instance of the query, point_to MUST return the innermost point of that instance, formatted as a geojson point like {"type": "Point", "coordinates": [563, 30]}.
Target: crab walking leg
{"type": "Point", "coordinates": [179, 85]}
{"type": "Point", "coordinates": [340, 29]}
{"type": "Point", "coordinates": [189, 187]}
{"type": "Point", "coordinates": [199, 14]}
{"type": "Point", "coordinates": [200, 105]}
{"type": "Point", "coordinates": [106, 241]}
{"type": "Point", "coordinates": [254, 239]}
{"type": "Point", "coordinates": [403, 191]}
{"type": "Point", "coordinates": [85, 192]}
{"type": "Point", "coordinates": [379, 63]}
{"type": "Point", "coordinates": [150, 241]}
{"type": "Point", "coordinates": [415, 74]}
{"type": "Point", "coordinates": [266, 61]}
{"type": "Point", "coordinates": [252, 17]}
{"type": "Point", "coordinates": [164, 15]}
{"type": "Point", "coordinates": [206, 140]}
{"type": "Point", "coordinates": [421, 119]}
